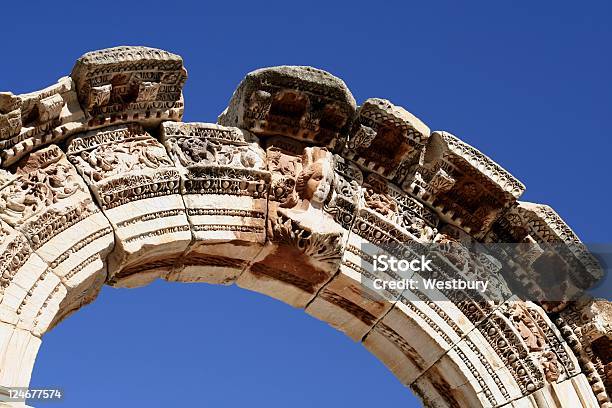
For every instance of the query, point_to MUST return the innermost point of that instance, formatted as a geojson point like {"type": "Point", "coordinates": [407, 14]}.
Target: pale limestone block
{"type": "Point", "coordinates": [20, 269]}
{"type": "Point", "coordinates": [18, 349]}
{"type": "Point", "coordinates": [46, 305]}
{"type": "Point", "coordinates": [525, 402]}
{"type": "Point", "coordinates": [381, 215]}
{"type": "Point", "coordinates": [137, 186]}
{"type": "Point", "coordinates": [130, 84]}
{"type": "Point", "coordinates": [152, 234]}
{"type": "Point", "coordinates": [499, 378]}
{"type": "Point", "coordinates": [7, 315]}
{"type": "Point", "coordinates": [77, 255]}
{"type": "Point", "coordinates": [429, 328]}
{"type": "Point", "coordinates": [38, 119]}
{"type": "Point", "coordinates": [560, 395]}
{"type": "Point", "coordinates": [348, 305]}
{"type": "Point", "coordinates": [395, 353]}
{"type": "Point", "coordinates": [224, 183]}
{"type": "Point", "coordinates": [49, 203]}
{"type": "Point", "coordinates": [305, 243]}
{"type": "Point", "coordinates": [434, 392]}
{"type": "Point", "coordinates": [584, 391]}
{"type": "Point", "coordinates": [574, 392]}
{"type": "Point", "coordinates": [299, 102]}
{"type": "Point", "coordinates": [408, 324]}
{"type": "Point", "coordinates": [418, 340]}
{"type": "Point", "coordinates": [28, 308]}
{"type": "Point", "coordinates": [351, 302]}
{"type": "Point", "coordinates": [478, 368]}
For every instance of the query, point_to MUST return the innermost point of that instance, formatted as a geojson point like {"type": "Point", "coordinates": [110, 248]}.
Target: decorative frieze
{"type": "Point", "coordinates": [465, 187]}
{"type": "Point", "coordinates": [138, 188]}
{"type": "Point", "coordinates": [302, 103]}
{"type": "Point", "coordinates": [47, 201]}
{"type": "Point", "coordinates": [386, 138]}
{"type": "Point", "coordinates": [224, 184]}
{"type": "Point", "coordinates": [296, 194]}
{"type": "Point", "coordinates": [125, 84]}
{"type": "Point", "coordinates": [30, 121]}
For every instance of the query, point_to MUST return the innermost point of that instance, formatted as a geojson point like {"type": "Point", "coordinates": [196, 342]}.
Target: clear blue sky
{"type": "Point", "coordinates": [528, 83]}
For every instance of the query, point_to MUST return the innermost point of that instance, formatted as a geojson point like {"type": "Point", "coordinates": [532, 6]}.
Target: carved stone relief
{"type": "Point", "coordinates": [224, 183]}
{"type": "Point", "coordinates": [564, 268]}
{"type": "Point", "coordinates": [32, 120]}
{"type": "Point", "coordinates": [465, 187]}
{"type": "Point", "coordinates": [48, 202]}
{"type": "Point", "coordinates": [125, 84]}
{"type": "Point", "coordinates": [302, 103]}
{"type": "Point", "coordinates": [137, 186]}
{"type": "Point", "coordinates": [585, 325]}
{"type": "Point", "coordinates": [294, 202]}
{"type": "Point", "coordinates": [299, 228]}
{"type": "Point", "coordinates": [385, 138]}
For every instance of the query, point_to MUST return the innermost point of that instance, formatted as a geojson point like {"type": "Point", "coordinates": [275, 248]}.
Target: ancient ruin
{"type": "Point", "coordinates": [291, 194]}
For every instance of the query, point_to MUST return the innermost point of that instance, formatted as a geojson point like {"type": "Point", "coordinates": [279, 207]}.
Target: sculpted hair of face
{"type": "Point", "coordinates": [311, 184]}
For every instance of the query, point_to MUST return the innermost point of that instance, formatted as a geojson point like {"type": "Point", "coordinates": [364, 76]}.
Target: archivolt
{"type": "Point", "coordinates": [291, 195]}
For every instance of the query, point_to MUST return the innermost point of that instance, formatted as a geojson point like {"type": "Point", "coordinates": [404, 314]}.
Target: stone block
{"type": "Point", "coordinates": [301, 103]}
{"type": "Point", "coordinates": [18, 349]}
{"type": "Point", "coordinates": [466, 188]}
{"type": "Point", "coordinates": [386, 139]}
{"type": "Point", "coordinates": [48, 202]}
{"type": "Point", "coordinates": [304, 242]}
{"type": "Point", "coordinates": [137, 186]}
{"type": "Point", "coordinates": [224, 183]}
{"type": "Point", "coordinates": [30, 121]}
{"type": "Point", "coordinates": [129, 84]}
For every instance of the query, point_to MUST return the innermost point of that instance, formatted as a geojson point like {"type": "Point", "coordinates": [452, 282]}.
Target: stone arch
{"type": "Point", "coordinates": [107, 185]}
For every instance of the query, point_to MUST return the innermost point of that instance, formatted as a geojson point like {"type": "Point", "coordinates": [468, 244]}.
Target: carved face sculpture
{"type": "Point", "coordinates": [313, 184]}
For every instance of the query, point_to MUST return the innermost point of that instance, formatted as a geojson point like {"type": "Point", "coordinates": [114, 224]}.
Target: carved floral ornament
{"type": "Point", "coordinates": [101, 180]}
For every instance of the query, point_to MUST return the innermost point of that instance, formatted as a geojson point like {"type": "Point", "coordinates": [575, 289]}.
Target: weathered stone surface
{"type": "Point", "coordinates": [49, 203]}
{"type": "Point", "coordinates": [224, 183]}
{"type": "Point", "coordinates": [564, 268]}
{"type": "Point", "coordinates": [386, 138]}
{"type": "Point", "coordinates": [533, 358]}
{"type": "Point", "coordinates": [125, 84]}
{"type": "Point", "coordinates": [465, 187]}
{"type": "Point", "coordinates": [18, 350]}
{"type": "Point", "coordinates": [351, 302]}
{"type": "Point", "coordinates": [585, 325]}
{"type": "Point", "coordinates": [137, 186]}
{"type": "Point", "coordinates": [305, 244]}
{"type": "Point", "coordinates": [574, 392]}
{"type": "Point", "coordinates": [32, 120]}
{"type": "Point", "coordinates": [302, 103]}
{"type": "Point", "coordinates": [31, 294]}
{"type": "Point", "coordinates": [294, 202]}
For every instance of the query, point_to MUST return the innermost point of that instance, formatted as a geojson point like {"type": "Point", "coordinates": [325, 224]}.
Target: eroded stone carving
{"type": "Point", "coordinates": [585, 325]}
{"type": "Point", "coordinates": [137, 186]}
{"type": "Point", "coordinates": [385, 138]}
{"type": "Point", "coordinates": [465, 187]}
{"type": "Point", "coordinates": [298, 226]}
{"type": "Point", "coordinates": [225, 184]}
{"type": "Point", "coordinates": [575, 269]}
{"type": "Point", "coordinates": [32, 120]}
{"type": "Point", "coordinates": [47, 201]}
{"type": "Point", "coordinates": [303, 103]}
{"type": "Point", "coordinates": [268, 205]}
{"type": "Point", "coordinates": [124, 84]}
